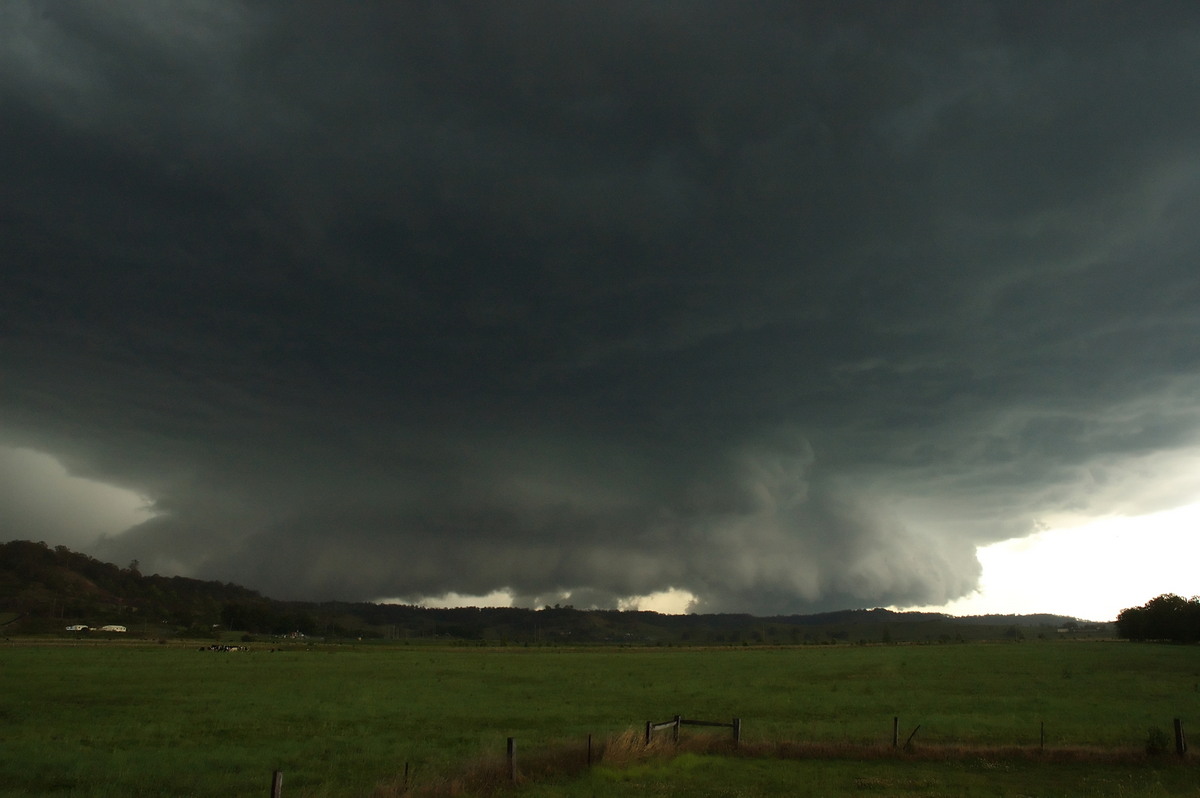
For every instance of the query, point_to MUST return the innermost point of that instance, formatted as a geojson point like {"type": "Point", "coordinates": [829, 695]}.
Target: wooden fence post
{"type": "Point", "coordinates": [512, 759]}
{"type": "Point", "coordinates": [277, 784]}
{"type": "Point", "coordinates": [589, 758]}
{"type": "Point", "coordinates": [649, 730]}
{"type": "Point", "coordinates": [675, 729]}
{"type": "Point", "coordinates": [1180, 738]}
{"type": "Point", "coordinates": [896, 731]}
{"type": "Point", "coordinates": [737, 732]}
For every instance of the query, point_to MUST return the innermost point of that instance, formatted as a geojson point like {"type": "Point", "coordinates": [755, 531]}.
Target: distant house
{"type": "Point", "coordinates": [113, 628]}
{"type": "Point", "coordinates": [77, 627]}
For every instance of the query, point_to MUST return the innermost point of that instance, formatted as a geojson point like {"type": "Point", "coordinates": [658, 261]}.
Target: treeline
{"type": "Point", "coordinates": [1167, 617]}
{"type": "Point", "coordinates": [44, 589]}
{"type": "Point", "coordinates": [264, 618]}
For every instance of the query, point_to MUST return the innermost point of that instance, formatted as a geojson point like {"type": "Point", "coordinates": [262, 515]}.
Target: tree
{"type": "Point", "coordinates": [1165, 617]}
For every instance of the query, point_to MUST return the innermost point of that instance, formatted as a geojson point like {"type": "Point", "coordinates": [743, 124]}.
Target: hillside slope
{"type": "Point", "coordinates": [45, 589]}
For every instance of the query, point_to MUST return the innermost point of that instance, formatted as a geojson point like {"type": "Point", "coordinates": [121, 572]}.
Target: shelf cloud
{"type": "Point", "coordinates": [790, 307]}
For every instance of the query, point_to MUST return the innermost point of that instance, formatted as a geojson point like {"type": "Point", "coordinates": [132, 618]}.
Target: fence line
{"type": "Point", "coordinates": [735, 725]}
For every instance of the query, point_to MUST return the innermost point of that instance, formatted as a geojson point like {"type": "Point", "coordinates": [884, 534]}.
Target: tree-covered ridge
{"type": "Point", "coordinates": [42, 583]}
{"type": "Point", "coordinates": [1166, 617]}
{"type": "Point", "coordinates": [44, 589]}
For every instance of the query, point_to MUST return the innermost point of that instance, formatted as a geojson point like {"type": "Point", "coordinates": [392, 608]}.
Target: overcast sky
{"type": "Point", "coordinates": [790, 306]}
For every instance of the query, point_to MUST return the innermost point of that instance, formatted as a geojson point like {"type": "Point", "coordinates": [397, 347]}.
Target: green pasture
{"type": "Point", "coordinates": [118, 719]}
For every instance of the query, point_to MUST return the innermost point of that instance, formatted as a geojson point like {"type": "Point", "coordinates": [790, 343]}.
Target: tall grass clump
{"type": "Point", "coordinates": [555, 762]}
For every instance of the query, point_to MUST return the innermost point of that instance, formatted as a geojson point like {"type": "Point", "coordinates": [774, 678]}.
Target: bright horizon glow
{"type": "Point", "coordinates": [1091, 571]}
{"type": "Point", "coordinates": [672, 601]}
{"type": "Point", "coordinates": [452, 600]}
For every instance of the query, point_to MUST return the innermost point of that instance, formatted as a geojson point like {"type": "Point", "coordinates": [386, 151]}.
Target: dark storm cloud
{"type": "Point", "coordinates": [788, 306]}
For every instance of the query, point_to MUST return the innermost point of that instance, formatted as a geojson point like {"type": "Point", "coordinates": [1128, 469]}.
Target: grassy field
{"type": "Point", "coordinates": [109, 719]}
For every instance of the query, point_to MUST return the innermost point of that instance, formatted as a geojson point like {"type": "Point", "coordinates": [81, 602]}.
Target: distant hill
{"type": "Point", "coordinates": [44, 590]}
{"type": "Point", "coordinates": [1037, 619]}
{"type": "Point", "coordinates": [43, 584]}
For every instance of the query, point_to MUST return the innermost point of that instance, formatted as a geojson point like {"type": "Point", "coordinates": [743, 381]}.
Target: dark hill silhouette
{"type": "Point", "coordinates": [42, 584]}
{"type": "Point", "coordinates": [44, 589]}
